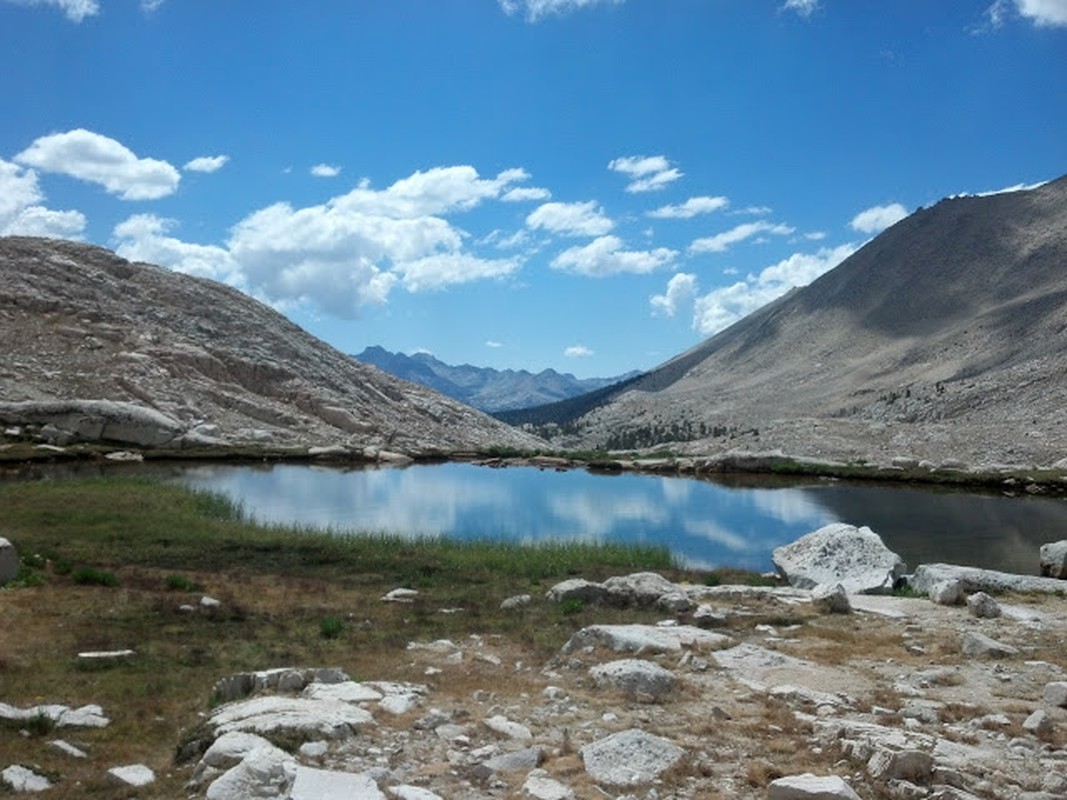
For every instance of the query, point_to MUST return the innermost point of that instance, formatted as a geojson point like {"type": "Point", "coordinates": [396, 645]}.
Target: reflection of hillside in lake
{"type": "Point", "coordinates": [703, 523]}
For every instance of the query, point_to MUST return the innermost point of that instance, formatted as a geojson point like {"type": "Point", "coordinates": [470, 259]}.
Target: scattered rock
{"type": "Point", "coordinates": [102, 656]}
{"type": "Point", "coordinates": [522, 760]}
{"type": "Point", "coordinates": [831, 599]}
{"type": "Point", "coordinates": [810, 787]}
{"type": "Point", "coordinates": [978, 645]}
{"type": "Point", "coordinates": [630, 758]}
{"type": "Point", "coordinates": [635, 676]}
{"type": "Point", "coordinates": [645, 638]}
{"type": "Point", "coordinates": [1039, 723]}
{"type": "Point", "coordinates": [913, 766]}
{"type": "Point", "coordinates": [840, 553]}
{"type": "Point", "coordinates": [511, 730]}
{"type": "Point", "coordinates": [134, 776]}
{"type": "Point", "coordinates": [983, 606]}
{"type": "Point", "coordinates": [974, 579]}
{"type": "Point", "coordinates": [540, 786]}
{"type": "Point", "coordinates": [707, 616]}
{"type": "Point", "coordinates": [405, 792]}
{"type": "Point", "coordinates": [516, 602]}
{"type": "Point", "coordinates": [21, 779]}
{"type": "Point", "coordinates": [67, 748]}
{"type": "Point", "coordinates": [1053, 560]}
{"type": "Point", "coordinates": [641, 589]}
{"type": "Point", "coordinates": [577, 589]}
{"type": "Point", "coordinates": [320, 784]}
{"type": "Point", "coordinates": [9, 562]}
{"type": "Point", "coordinates": [946, 593]}
{"type": "Point", "coordinates": [401, 595]}
{"type": "Point", "coordinates": [1056, 694]}
{"type": "Point", "coordinates": [210, 603]}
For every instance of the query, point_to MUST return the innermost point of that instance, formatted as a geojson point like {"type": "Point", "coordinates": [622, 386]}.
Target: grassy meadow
{"type": "Point", "coordinates": [108, 563]}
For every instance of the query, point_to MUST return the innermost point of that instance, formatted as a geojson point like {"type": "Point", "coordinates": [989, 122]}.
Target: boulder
{"type": "Point", "coordinates": [322, 784]}
{"type": "Point", "coordinates": [635, 676]}
{"type": "Point", "coordinates": [840, 553]}
{"type": "Point", "coordinates": [946, 593]}
{"type": "Point", "coordinates": [539, 785]}
{"type": "Point", "coordinates": [577, 589]}
{"type": "Point", "coordinates": [133, 776]}
{"type": "Point", "coordinates": [810, 787]}
{"type": "Point", "coordinates": [96, 420]}
{"type": "Point", "coordinates": [1039, 723]}
{"type": "Point", "coordinates": [975, 579]}
{"type": "Point", "coordinates": [978, 645]}
{"type": "Point", "coordinates": [983, 606]}
{"type": "Point", "coordinates": [9, 561]}
{"type": "Point", "coordinates": [516, 602]}
{"type": "Point", "coordinates": [523, 760]}
{"type": "Point", "coordinates": [265, 773]}
{"type": "Point", "coordinates": [907, 765]}
{"type": "Point", "coordinates": [831, 599]}
{"type": "Point", "coordinates": [1054, 560]}
{"type": "Point", "coordinates": [630, 758]}
{"type": "Point", "coordinates": [21, 779]}
{"type": "Point", "coordinates": [645, 638]}
{"type": "Point", "coordinates": [406, 792]}
{"type": "Point", "coordinates": [502, 726]}
{"type": "Point", "coordinates": [1056, 694]}
{"type": "Point", "coordinates": [312, 718]}
{"type": "Point", "coordinates": [641, 589]}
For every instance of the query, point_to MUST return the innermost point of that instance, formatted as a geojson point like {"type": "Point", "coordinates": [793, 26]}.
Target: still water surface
{"type": "Point", "coordinates": [704, 524]}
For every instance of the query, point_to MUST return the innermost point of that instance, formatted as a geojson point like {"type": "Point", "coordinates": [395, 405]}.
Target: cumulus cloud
{"type": "Point", "coordinates": [522, 194]}
{"type": "Point", "coordinates": [1043, 13]}
{"type": "Point", "coordinates": [577, 351]}
{"type": "Point", "coordinates": [721, 242]}
{"type": "Point", "coordinates": [803, 8]}
{"type": "Point", "coordinates": [605, 256]}
{"type": "Point", "coordinates": [570, 219]}
{"type": "Point", "coordinates": [21, 213]}
{"type": "Point", "coordinates": [492, 343]}
{"type": "Point", "coordinates": [98, 159]}
{"type": "Point", "coordinates": [723, 307]}
{"type": "Point", "coordinates": [534, 10]}
{"type": "Point", "coordinates": [446, 269]}
{"type": "Point", "coordinates": [681, 289]}
{"type": "Point", "coordinates": [690, 208]}
{"type": "Point", "coordinates": [206, 164]}
{"type": "Point", "coordinates": [325, 170]}
{"type": "Point", "coordinates": [75, 10]}
{"type": "Point", "coordinates": [877, 219]}
{"type": "Point", "coordinates": [144, 237]}
{"type": "Point", "coordinates": [647, 173]}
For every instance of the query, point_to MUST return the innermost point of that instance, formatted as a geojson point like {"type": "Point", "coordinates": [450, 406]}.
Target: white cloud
{"type": "Point", "coordinates": [446, 269]}
{"type": "Point", "coordinates": [721, 242]}
{"type": "Point", "coordinates": [690, 208]}
{"type": "Point", "coordinates": [206, 164]}
{"type": "Point", "coordinates": [681, 289]}
{"type": "Point", "coordinates": [98, 159]}
{"type": "Point", "coordinates": [492, 343]}
{"type": "Point", "coordinates": [755, 211]}
{"type": "Point", "coordinates": [534, 10]}
{"type": "Point", "coordinates": [523, 194]}
{"type": "Point", "coordinates": [143, 237]}
{"type": "Point", "coordinates": [325, 170]}
{"type": "Point", "coordinates": [803, 8]}
{"type": "Point", "coordinates": [723, 307]}
{"type": "Point", "coordinates": [815, 236]}
{"type": "Point", "coordinates": [605, 256]}
{"type": "Point", "coordinates": [148, 6]}
{"type": "Point", "coordinates": [75, 10]}
{"type": "Point", "coordinates": [878, 218]}
{"type": "Point", "coordinates": [570, 219]}
{"type": "Point", "coordinates": [577, 351]}
{"type": "Point", "coordinates": [21, 214]}
{"type": "Point", "coordinates": [1043, 13]}
{"type": "Point", "coordinates": [647, 173]}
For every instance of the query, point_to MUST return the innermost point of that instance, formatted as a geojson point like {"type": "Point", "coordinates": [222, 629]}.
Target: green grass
{"type": "Point", "coordinates": [141, 522]}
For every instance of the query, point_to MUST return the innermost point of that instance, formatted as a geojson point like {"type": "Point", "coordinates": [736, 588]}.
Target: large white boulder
{"type": "Point", "coordinates": [635, 676]}
{"type": "Point", "coordinates": [840, 553]}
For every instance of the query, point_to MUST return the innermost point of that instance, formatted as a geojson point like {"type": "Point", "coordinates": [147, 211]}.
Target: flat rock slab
{"type": "Point", "coordinates": [133, 775]}
{"type": "Point", "coordinates": [345, 692]}
{"type": "Point", "coordinates": [327, 718]}
{"type": "Point", "coordinates": [810, 787]}
{"type": "Point", "coordinates": [21, 779]}
{"type": "Point", "coordinates": [978, 645]}
{"type": "Point", "coordinates": [630, 758]}
{"type": "Point", "coordinates": [974, 579]}
{"type": "Point", "coordinates": [322, 784]}
{"type": "Point", "coordinates": [645, 638]}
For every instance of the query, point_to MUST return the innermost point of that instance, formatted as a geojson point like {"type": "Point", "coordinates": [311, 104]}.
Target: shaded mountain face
{"type": "Point", "coordinates": [943, 337]}
{"type": "Point", "coordinates": [111, 349]}
{"type": "Point", "coordinates": [483, 387]}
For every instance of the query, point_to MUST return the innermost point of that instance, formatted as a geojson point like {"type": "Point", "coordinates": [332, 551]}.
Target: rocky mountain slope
{"type": "Point", "coordinates": [944, 337]}
{"type": "Point", "coordinates": [483, 387]}
{"type": "Point", "coordinates": [95, 347]}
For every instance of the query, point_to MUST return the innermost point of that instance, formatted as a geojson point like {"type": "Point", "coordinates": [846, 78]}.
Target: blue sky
{"type": "Point", "coordinates": [589, 185]}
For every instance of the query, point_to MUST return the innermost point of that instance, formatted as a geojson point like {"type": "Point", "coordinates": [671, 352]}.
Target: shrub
{"type": "Point", "coordinates": [90, 576]}
{"type": "Point", "coordinates": [330, 627]}
{"type": "Point", "coordinates": [179, 583]}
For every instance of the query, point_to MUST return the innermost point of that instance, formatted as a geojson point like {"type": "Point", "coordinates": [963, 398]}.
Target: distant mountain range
{"type": "Point", "coordinates": [484, 388]}
{"type": "Point", "coordinates": [943, 337]}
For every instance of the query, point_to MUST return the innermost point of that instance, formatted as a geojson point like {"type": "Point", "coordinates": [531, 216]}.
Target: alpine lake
{"type": "Point", "coordinates": [704, 524]}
